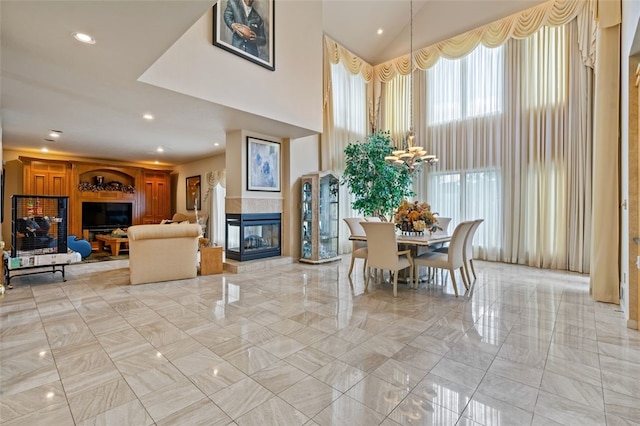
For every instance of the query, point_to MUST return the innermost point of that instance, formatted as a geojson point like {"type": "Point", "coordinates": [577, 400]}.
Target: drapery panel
{"type": "Point", "coordinates": [214, 197]}
{"type": "Point", "coordinates": [348, 125]}
{"type": "Point", "coordinates": [511, 128]}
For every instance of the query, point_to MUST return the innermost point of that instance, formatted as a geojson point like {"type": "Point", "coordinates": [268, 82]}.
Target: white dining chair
{"type": "Point", "coordinates": [383, 252]}
{"type": "Point", "coordinates": [452, 260]}
{"type": "Point", "coordinates": [468, 249]}
{"type": "Point", "coordinates": [358, 248]}
{"type": "Point", "coordinates": [372, 219]}
{"type": "Point", "coordinates": [443, 224]}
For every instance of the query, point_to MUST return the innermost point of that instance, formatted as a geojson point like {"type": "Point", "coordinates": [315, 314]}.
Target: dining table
{"type": "Point", "coordinates": [417, 243]}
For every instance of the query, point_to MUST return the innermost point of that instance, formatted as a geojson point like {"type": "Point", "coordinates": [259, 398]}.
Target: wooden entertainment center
{"type": "Point", "coordinates": [148, 190]}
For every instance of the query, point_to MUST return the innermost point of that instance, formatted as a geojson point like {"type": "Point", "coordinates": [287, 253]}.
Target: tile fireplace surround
{"type": "Point", "coordinates": [303, 344]}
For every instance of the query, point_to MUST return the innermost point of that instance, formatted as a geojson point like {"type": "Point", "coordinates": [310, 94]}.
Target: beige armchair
{"type": "Point", "coordinates": [383, 252]}
{"type": "Point", "coordinates": [163, 252]}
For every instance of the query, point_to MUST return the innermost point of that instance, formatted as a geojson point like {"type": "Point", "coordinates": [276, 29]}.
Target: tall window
{"type": "Point", "coordinates": [349, 93]}
{"type": "Point", "coordinates": [465, 88]}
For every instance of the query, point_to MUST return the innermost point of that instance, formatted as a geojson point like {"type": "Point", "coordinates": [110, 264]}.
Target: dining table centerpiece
{"type": "Point", "coordinates": [415, 218]}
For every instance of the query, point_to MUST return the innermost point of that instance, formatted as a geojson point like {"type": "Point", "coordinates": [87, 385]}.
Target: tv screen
{"type": "Point", "coordinates": [106, 215]}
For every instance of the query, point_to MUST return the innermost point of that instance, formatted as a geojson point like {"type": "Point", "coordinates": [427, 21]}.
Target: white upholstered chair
{"type": "Point", "coordinates": [468, 249]}
{"type": "Point", "coordinates": [443, 224]}
{"type": "Point", "coordinates": [372, 219]}
{"type": "Point", "coordinates": [452, 260]}
{"type": "Point", "coordinates": [358, 248]}
{"type": "Point", "coordinates": [383, 252]}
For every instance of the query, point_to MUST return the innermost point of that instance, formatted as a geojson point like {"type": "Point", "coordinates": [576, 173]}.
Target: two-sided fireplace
{"type": "Point", "coordinates": [253, 236]}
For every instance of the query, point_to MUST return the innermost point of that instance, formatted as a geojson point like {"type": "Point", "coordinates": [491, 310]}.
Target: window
{"type": "Point", "coordinates": [349, 100]}
{"type": "Point", "coordinates": [468, 195]}
{"type": "Point", "coordinates": [465, 88]}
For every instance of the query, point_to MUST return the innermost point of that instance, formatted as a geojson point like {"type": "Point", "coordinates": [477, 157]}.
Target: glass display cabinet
{"type": "Point", "coordinates": [319, 233]}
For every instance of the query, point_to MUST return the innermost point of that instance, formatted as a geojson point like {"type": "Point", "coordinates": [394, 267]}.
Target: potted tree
{"type": "Point", "coordinates": [378, 187]}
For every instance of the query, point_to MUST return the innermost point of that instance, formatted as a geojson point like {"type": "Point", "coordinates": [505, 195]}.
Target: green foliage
{"type": "Point", "coordinates": [378, 187]}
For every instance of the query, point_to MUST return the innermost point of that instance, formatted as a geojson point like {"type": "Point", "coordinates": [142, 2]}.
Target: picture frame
{"type": "Point", "coordinates": [263, 165]}
{"type": "Point", "coordinates": [193, 193]}
{"type": "Point", "coordinates": [259, 24]}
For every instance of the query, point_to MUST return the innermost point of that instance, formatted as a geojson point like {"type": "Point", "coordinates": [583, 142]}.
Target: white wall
{"type": "Point", "coordinates": [291, 94]}
{"type": "Point", "coordinates": [195, 168]}
{"type": "Point", "coordinates": [630, 17]}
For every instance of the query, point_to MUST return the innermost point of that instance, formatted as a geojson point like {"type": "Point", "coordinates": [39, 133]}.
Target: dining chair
{"type": "Point", "coordinates": [372, 219]}
{"type": "Point", "coordinates": [468, 249]}
{"type": "Point", "coordinates": [383, 252]}
{"type": "Point", "coordinates": [358, 248]}
{"type": "Point", "coordinates": [443, 224]}
{"type": "Point", "coordinates": [451, 260]}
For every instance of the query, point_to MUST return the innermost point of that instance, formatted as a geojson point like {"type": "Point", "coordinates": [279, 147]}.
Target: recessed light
{"type": "Point", "coordinates": [54, 135]}
{"type": "Point", "coordinates": [148, 117]}
{"type": "Point", "coordinates": [380, 31]}
{"type": "Point", "coordinates": [84, 38]}
{"type": "Point", "coordinates": [44, 149]}
{"type": "Point", "coordinates": [216, 144]}
{"type": "Point", "coordinates": [160, 149]}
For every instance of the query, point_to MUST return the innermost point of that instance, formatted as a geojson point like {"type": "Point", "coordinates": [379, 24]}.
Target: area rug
{"type": "Point", "coordinates": [102, 256]}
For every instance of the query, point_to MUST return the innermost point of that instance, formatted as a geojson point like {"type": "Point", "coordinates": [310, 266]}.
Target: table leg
{"type": "Point", "coordinates": [115, 248]}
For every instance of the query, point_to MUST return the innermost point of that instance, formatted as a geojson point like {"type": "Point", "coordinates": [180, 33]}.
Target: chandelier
{"type": "Point", "coordinates": [412, 156]}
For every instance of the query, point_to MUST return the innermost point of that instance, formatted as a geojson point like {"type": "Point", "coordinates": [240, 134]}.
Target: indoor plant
{"type": "Point", "coordinates": [378, 187]}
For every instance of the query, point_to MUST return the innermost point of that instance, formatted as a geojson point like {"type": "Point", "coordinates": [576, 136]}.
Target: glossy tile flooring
{"type": "Point", "coordinates": [303, 345]}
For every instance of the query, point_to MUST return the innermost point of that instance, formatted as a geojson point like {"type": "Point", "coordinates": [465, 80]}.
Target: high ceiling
{"type": "Point", "coordinates": [50, 81]}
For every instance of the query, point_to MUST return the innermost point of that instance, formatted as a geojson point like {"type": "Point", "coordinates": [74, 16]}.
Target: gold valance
{"type": "Point", "coordinates": [519, 25]}
{"type": "Point", "coordinates": [336, 53]}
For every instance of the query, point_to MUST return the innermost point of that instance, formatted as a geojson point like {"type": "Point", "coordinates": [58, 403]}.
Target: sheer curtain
{"type": "Point", "coordinates": [510, 126]}
{"type": "Point", "coordinates": [349, 119]}
{"type": "Point", "coordinates": [215, 195]}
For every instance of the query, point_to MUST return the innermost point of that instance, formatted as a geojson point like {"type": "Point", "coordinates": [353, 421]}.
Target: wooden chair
{"type": "Point", "coordinates": [451, 260]}
{"type": "Point", "coordinates": [358, 248]}
{"type": "Point", "coordinates": [383, 252]}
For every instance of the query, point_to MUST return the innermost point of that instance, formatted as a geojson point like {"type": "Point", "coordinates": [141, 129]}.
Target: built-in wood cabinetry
{"type": "Point", "coordinates": [156, 193]}
{"type": "Point", "coordinates": [147, 190]}
{"type": "Point", "coordinates": [46, 177]}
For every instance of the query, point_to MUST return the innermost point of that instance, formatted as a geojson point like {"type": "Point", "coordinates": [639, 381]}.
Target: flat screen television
{"type": "Point", "coordinates": [97, 215]}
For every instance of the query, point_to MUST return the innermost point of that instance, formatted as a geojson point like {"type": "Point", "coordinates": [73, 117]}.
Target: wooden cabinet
{"type": "Point", "coordinates": [46, 177]}
{"type": "Point", "coordinates": [156, 194]}
{"type": "Point", "coordinates": [319, 218]}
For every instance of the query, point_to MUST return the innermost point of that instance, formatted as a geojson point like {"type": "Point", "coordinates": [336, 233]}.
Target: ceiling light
{"type": "Point", "coordinates": [380, 31]}
{"type": "Point", "coordinates": [148, 117]}
{"type": "Point", "coordinates": [412, 156]}
{"type": "Point", "coordinates": [44, 149]}
{"type": "Point", "coordinates": [160, 149]}
{"type": "Point", "coordinates": [54, 135]}
{"type": "Point", "coordinates": [84, 38]}
{"type": "Point", "coordinates": [216, 144]}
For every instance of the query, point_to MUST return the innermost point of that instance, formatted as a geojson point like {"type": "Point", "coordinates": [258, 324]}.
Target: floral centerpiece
{"type": "Point", "coordinates": [415, 217]}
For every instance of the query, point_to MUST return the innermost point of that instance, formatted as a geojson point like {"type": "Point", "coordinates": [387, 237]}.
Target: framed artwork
{"type": "Point", "coordinates": [193, 193]}
{"type": "Point", "coordinates": [250, 36]}
{"type": "Point", "coordinates": [263, 165]}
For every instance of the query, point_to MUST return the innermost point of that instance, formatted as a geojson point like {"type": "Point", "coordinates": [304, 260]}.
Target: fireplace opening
{"type": "Point", "coordinates": [253, 236]}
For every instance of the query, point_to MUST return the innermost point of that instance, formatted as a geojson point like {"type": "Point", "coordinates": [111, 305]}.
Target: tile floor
{"type": "Point", "coordinates": [303, 345]}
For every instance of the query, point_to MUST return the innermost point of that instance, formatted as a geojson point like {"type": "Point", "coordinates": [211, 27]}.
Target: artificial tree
{"type": "Point", "coordinates": [377, 186]}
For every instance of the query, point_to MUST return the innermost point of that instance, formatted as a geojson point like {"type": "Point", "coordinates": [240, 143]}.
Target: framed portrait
{"type": "Point", "coordinates": [263, 165]}
{"type": "Point", "coordinates": [250, 36]}
{"type": "Point", "coordinates": [193, 193]}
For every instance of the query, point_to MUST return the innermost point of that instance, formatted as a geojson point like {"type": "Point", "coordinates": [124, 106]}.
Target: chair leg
{"type": "Point", "coordinates": [466, 271]}
{"type": "Point", "coordinates": [395, 284]}
{"type": "Point", "coordinates": [453, 280]}
{"type": "Point", "coordinates": [353, 260]}
{"type": "Point", "coordinates": [473, 269]}
{"type": "Point", "coordinates": [366, 281]}
{"type": "Point", "coordinates": [411, 277]}
{"type": "Point", "coordinates": [464, 279]}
